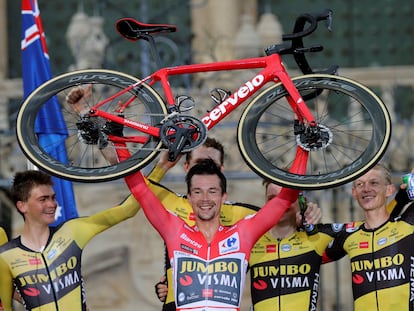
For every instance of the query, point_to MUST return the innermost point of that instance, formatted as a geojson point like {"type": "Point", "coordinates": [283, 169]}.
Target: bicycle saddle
{"type": "Point", "coordinates": [134, 30]}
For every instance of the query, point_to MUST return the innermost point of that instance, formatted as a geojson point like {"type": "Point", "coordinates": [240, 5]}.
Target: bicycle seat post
{"type": "Point", "coordinates": [153, 48]}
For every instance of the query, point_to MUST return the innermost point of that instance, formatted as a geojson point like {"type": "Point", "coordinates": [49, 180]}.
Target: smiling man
{"type": "Point", "coordinates": [209, 260]}
{"type": "Point", "coordinates": [380, 249]}
{"type": "Point", "coordinates": [43, 264]}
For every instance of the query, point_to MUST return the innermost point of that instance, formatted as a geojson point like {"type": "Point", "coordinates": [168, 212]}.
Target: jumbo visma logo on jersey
{"type": "Point", "coordinates": [218, 280]}
{"type": "Point", "coordinates": [42, 284]}
{"type": "Point", "coordinates": [386, 271]}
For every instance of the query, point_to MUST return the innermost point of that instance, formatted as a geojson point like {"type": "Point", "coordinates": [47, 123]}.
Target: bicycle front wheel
{"type": "Point", "coordinates": [354, 122]}
{"type": "Point", "coordinates": [53, 135]}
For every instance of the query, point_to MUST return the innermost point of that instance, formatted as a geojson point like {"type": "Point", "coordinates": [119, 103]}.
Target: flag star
{"type": "Point", "coordinates": [58, 212]}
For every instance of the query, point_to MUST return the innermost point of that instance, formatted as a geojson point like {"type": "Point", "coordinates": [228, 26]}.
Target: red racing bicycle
{"type": "Point", "coordinates": [339, 126]}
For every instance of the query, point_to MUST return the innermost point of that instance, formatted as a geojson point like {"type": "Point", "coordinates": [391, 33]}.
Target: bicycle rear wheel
{"type": "Point", "coordinates": [49, 135]}
{"type": "Point", "coordinates": [355, 124]}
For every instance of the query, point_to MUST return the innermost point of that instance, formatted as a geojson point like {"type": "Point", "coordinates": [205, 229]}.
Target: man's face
{"type": "Point", "coordinates": [372, 190]}
{"type": "Point", "coordinates": [206, 197]}
{"type": "Point", "coordinates": [202, 153]}
{"type": "Point", "coordinates": [41, 205]}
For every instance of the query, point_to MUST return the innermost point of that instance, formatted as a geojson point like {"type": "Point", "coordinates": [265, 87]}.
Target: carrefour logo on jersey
{"type": "Point", "coordinates": [230, 244]}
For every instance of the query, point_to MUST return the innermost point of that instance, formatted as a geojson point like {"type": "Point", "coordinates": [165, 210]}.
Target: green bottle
{"type": "Point", "coordinates": [309, 228]}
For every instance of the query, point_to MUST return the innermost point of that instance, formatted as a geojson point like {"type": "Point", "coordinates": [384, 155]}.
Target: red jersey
{"type": "Point", "coordinates": [208, 276]}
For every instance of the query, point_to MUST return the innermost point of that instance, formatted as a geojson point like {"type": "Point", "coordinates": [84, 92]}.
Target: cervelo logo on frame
{"type": "Point", "coordinates": [243, 92]}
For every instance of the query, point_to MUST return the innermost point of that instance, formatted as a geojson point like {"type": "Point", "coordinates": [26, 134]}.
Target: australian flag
{"type": "Point", "coordinates": [50, 125]}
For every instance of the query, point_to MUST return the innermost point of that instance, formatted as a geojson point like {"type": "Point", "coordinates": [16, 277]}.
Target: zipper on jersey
{"type": "Point", "coordinates": [279, 290]}
{"type": "Point", "coordinates": [206, 286]}
{"type": "Point", "coordinates": [375, 269]}
{"type": "Point", "coordinates": [51, 282]}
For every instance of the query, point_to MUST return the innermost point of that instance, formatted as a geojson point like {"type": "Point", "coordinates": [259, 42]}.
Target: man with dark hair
{"type": "Point", "coordinates": [230, 212]}
{"type": "Point", "coordinates": [179, 204]}
{"type": "Point", "coordinates": [209, 260]}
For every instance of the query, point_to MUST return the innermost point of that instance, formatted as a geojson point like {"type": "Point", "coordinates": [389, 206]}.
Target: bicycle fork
{"type": "Point", "coordinates": [310, 135]}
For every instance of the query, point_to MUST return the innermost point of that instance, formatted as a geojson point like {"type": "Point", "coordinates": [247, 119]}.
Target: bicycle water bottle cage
{"type": "Point", "coordinates": [219, 95]}
{"type": "Point", "coordinates": [182, 134]}
{"type": "Point", "coordinates": [184, 103]}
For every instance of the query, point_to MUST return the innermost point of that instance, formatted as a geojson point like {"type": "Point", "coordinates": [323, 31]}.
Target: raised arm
{"type": "Point", "coordinates": [155, 212]}
{"type": "Point", "coordinates": [268, 215]}
{"type": "Point", "coordinates": [274, 209]}
{"type": "Point", "coordinates": [162, 167]}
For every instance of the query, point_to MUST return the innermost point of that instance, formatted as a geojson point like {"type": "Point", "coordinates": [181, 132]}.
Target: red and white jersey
{"type": "Point", "coordinates": [208, 276]}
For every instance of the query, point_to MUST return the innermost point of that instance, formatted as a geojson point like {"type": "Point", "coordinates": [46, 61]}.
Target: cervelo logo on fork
{"type": "Point", "coordinates": [243, 92]}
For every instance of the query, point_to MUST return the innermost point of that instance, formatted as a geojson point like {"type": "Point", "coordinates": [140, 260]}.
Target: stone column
{"type": "Point", "coordinates": [198, 27]}
{"type": "Point", "coordinates": [86, 40]}
{"type": "Point", "coordinates": [214, 23]}
{"type": "Point", "coordinates": [269, 29]}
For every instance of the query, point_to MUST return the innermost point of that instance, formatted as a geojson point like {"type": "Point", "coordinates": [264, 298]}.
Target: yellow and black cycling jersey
{"type": "Point", "coordinates": [50, 279]}
{"type": "Point", "coordinates": [381, 262]}
{"type": "Point", "coordinates": [284, 273]}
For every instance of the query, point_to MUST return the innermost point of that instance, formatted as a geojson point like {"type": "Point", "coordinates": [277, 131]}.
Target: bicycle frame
{"type": "Point", "coordinates": [289, 119]}
{"type": "Point", "coordinates": [273, 71]}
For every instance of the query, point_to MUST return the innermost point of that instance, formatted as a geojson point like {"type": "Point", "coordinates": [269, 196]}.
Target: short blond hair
{"type": "Point", "coordinates": [384, 169]}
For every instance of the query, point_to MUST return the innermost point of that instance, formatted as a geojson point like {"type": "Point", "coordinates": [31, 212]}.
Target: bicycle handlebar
{"type": "Point", "coordinates": [134, 30]}
{"type": "Point", "coordinates": [295, 45]}
{"type": "Point", "coordinates": [299, 32]}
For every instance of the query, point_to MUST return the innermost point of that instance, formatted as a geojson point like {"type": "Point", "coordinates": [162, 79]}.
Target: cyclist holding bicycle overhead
{"type": "Point", "coordinates": [274, 251]}
{"type": "Point", "coordinates": [313, 213]}
{"type": "Point", "coordinates": [209, 260]}
{"type": "Point", "coordinates": [176, 202]}
{"type": "Point", "coordinates": [285, 245]}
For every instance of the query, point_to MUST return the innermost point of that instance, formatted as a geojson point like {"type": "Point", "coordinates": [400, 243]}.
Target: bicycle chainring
{"type": "Point", "coordinates": [182, 134]}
